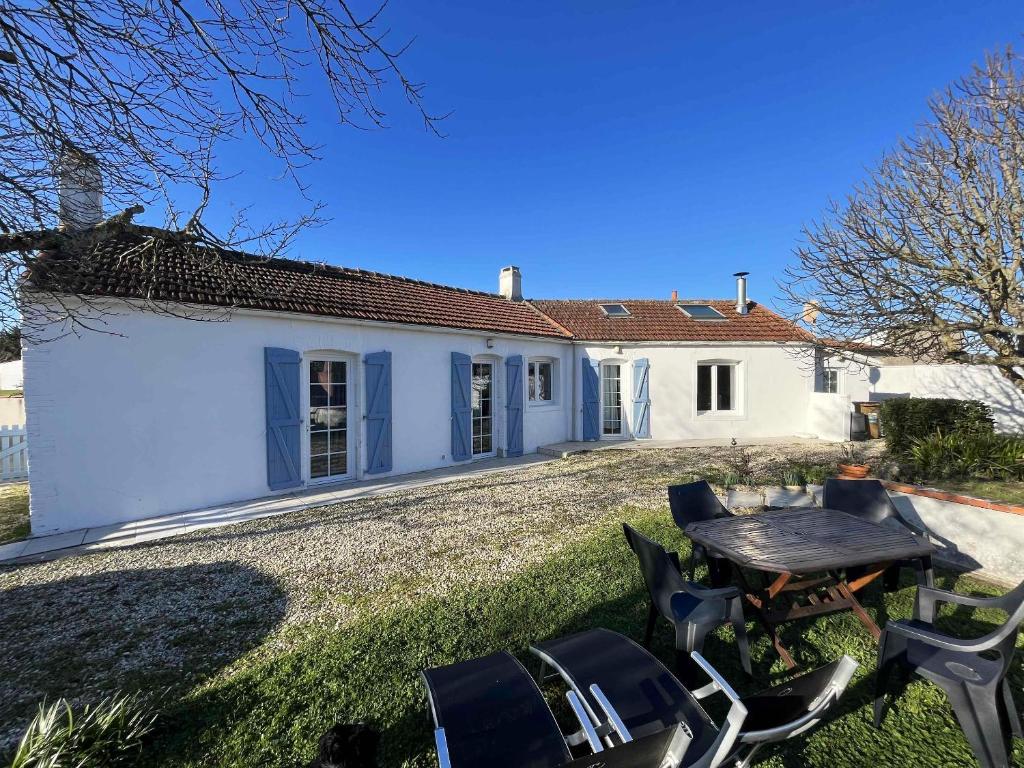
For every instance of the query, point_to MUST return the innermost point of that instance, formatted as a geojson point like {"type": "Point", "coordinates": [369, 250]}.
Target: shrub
{"type": "Point", "coordinates": [957, 455]}
{"type": "Point", "coordinates": [907, 419]}
{"type": "Point", "coordinates": [108, 734]}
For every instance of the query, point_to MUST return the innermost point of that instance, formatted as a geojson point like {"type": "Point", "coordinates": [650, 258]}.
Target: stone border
{"type": "Point", "coordinates": [956, 498]}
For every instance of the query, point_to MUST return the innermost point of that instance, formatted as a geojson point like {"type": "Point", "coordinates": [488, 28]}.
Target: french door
{"type": "Point", "coordinates": [483, 409]}
{"type": "Point", "coordinates": [327, 429]}
{"type": "Point", "coordinates": [611, 400]}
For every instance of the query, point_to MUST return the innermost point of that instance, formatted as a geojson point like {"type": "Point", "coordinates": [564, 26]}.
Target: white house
{"type": "Point", "coordinates": [323, 375]}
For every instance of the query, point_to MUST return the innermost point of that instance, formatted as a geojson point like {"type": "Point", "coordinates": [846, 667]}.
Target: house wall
{"type": "Point", "coordinates": [775, 386]}
{"type": "Point", "coordinates": [169, 415]}
{"type": "Point", "coordinates": [965, 382]}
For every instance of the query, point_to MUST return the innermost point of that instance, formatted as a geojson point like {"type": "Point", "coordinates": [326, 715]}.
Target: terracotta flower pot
{"type": "Point", "coordinates": [853, 471]}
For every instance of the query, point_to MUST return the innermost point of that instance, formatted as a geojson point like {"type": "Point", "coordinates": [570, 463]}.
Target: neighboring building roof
{"type": "Point", "coordinates": [861, 347]}
{"type": "Point", "coordinates": [653, 320]}
{"type": "Point", "coordinates": [140, 263]}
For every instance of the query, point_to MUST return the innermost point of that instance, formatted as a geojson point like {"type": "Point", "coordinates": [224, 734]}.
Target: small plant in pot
{"type": "Point", "coordinates": [852, 466]}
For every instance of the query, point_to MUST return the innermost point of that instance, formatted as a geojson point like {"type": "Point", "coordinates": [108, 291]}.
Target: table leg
{"type": "Point", "coordinates": [761, 601]}
{"type": "Point", "coordinates": [843, 589]}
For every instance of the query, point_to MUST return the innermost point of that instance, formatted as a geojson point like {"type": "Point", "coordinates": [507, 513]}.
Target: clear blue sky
{"type": "Point", "coordinates": [610, 149]}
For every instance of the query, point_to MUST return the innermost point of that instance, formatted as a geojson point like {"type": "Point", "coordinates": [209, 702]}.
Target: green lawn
{"type": "Point", "coordinates": [1010, 491]}
{"type": "Point", "coordinates": [13, 512]}
{"type": "Point", "coordinates": [270, 707]}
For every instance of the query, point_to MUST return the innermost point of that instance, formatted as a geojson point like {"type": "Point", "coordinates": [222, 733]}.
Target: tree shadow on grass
{"type": "Point", "coordinates": [148, 629]}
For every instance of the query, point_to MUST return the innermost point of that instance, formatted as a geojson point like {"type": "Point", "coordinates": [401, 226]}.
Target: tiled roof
{"type": "Point", "coordinates": [652, 320]}
{"type": "Point", "coordinates": [138, 263]}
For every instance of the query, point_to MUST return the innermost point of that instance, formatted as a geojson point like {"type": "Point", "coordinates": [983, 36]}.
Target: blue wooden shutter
{"type": "Point", "coordinates": [462, 407]}
{"type": "Point", "coordinates": [591, 400]}
{"type": "Point", "coordinates": [514, 404]}
{"type": "Point", "coordinates": [378, 412]}
{"type": "Point", "coordinates": [641, 398]}
{"type": "Point", "coordinates": [281, 369]}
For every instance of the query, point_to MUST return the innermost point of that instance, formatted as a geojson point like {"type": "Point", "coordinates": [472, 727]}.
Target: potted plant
{"type": "Point", "coordinates": [852, 467]}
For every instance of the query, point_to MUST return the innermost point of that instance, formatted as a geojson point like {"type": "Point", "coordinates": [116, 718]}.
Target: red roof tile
{"type": "Point", "coordinates": [138, 264]}
{"type": "Point", "coordinates": [652, 320]}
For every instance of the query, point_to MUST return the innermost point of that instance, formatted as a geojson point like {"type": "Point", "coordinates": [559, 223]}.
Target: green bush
{"type": "Point", "coordinates": [106, 735]}
{"type": "Point", "coordinates": [957, 455]}
{"type": "Point", "coordinates": [905, 420]}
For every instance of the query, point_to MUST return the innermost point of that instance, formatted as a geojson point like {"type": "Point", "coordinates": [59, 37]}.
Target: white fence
{"type": "Point", "coordinates": [13, 453]}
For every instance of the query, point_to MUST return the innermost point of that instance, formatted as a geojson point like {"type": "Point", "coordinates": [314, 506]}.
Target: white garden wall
{"type": "Point", "coordinates": [774, 386]}
{"type": "Point", "coordinates": [170, 414]}
{"type": "Point", "coordinates": [965, 382]}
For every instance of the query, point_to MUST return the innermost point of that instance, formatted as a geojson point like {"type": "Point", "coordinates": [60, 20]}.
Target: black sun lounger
{"type": "Point", "coordinates": [604, 668]}
{"type": "Point", "coordinates": [489, 713]}
{"type": "Point", "coordinates": [648, 698]}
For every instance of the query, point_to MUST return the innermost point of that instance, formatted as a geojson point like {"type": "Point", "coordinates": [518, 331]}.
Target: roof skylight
{"type": "Point", "coordinates": [701, 311]}
{"type": "Point", "coordinates": [614, 310]}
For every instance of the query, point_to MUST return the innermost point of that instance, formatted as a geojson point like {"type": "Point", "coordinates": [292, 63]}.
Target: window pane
{"type": "Point", "coordinates": [318, 466]}
{"type": "Point", "coordinates": [531, 377]}
{"type": "Point", "coordinates": [724, 388]}
{"type": "Point", "coordinates": [544, 381]}
{"type": "Point", "coordinates": [317, 419]}
{"type": "Point", "coordinates": [338, 372]}
{"type": "Point", "coordinates": [317, 395]}
{"type": "Point", "coordinates": [318, 442]}
{"type": "Point", "coordinates": [338, 393]}
{"type": "Point", "coordinates": [703, 387]}
{"type": "Point", "coordinates": [339, 463]}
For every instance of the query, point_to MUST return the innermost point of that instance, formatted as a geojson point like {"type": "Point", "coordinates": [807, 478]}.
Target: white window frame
{"type": "Point", "coordinates": [625, 310]}
{"type": "Point", "coordinates": [553, 362]}
{"type": "Point", "coordinates": [738, 382]}
{"type": "Point", "coordinates": [353, 407]}
{"type": "Point", "coordinates": [624, 432]}
{"type": "Point", "coordinates": [837, 372]}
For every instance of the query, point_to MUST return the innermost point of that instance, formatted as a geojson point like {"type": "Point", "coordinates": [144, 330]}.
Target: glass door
{"type": "Point", "coordinates": [328, 419]}
{"type": "Point", "coordinates": [611, 400]}
{"type": "Point", "coordinates": [483, 409]}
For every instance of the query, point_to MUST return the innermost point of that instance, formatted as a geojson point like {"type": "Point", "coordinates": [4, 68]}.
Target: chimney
{"type": "Point", "coordinates": [79, 190]}
{"type": "Point", "coordinates": [741, 292]}
{"type": "Point", "coordinates": [675, 296]}
{"type": "Point", "coordinates": [510, 284]}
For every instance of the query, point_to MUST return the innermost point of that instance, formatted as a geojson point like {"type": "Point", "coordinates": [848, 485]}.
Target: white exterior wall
{"type": "Point", "coordinates": [963, 382]}
{"type": "Point", "coordinates": [11, 376]}
{"type": "Point", "coordinates": [774, 386]}
{"type": "Point", "coordinates": [170, 415]}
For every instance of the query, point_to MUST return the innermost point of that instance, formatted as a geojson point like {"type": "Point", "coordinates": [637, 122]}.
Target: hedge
{"type": "Point", "coordinates": [905, 420]}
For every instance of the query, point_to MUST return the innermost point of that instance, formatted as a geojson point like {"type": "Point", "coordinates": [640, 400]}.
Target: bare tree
{"type": "Point", "coordinates": [925, 256]}
{"type": "Point", "coordinates": [148, 89]}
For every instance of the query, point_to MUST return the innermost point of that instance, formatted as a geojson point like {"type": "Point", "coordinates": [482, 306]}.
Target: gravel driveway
{"type": "Point", "coordinates": [174, 612]}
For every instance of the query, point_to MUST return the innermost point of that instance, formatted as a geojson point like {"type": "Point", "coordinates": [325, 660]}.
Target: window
{"type": "Point", "coordinates": [540, 381]}
{"type": "Point", "coordinates": [830, 381]}
{"type": "Point", "coordinates": [611, 399]}
{"type": "Point", "coordinates": [716, 387]}
{"type": "Point", "coordinates": [328, 419]}
{"type": "Point", "coordinates": [701, 311]}
{"type": "Point", "coordinates": [614, 310]}
{"type": "Point", "coordinates": [483, 412]}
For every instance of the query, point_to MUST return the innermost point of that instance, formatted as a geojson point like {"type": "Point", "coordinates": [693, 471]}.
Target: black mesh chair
{"type": "Point", "coordinates": [489, 712]}
{"type": "Point", "coordinates": [649, 698]}
{"type": "Point", "coordinates": [692, 503]}
{"type": "Point", "coordinates": [869, 500]}
{"type": "Point", "coordinates": [973, 673]}
{"type": "Point", "coordinates": [692, 609]}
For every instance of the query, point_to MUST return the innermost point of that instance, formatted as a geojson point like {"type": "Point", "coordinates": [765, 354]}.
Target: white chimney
{"type": "Point", "coordinates": [741, 292]}
{"type": "Point", "coordinates": [510, 284]}
{"type": "Point", "coordinates": [79, 190]}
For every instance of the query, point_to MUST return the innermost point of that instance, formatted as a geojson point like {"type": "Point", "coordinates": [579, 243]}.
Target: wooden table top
{"type": "Point", "coordinates": [805, 540]}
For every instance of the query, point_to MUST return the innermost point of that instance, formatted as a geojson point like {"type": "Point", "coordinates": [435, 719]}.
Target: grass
{"type": "Point", "coordinates": [1010, 491]}
{"type": "Point", "coordinates": [13, 512]}
{"type": "Point", "coordinates": [270, 707]}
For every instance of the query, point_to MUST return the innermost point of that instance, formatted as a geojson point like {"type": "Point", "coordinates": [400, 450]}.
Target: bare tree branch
{"type": "Point", "coordinates": [926, 257]}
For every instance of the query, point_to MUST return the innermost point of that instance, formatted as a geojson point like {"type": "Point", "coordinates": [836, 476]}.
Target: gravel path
{"type": "Point", "coordinates": [176, 611]}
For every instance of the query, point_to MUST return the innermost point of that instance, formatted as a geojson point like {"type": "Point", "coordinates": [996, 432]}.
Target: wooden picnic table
{"type": "Point", "coordinates": [820, 557]}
